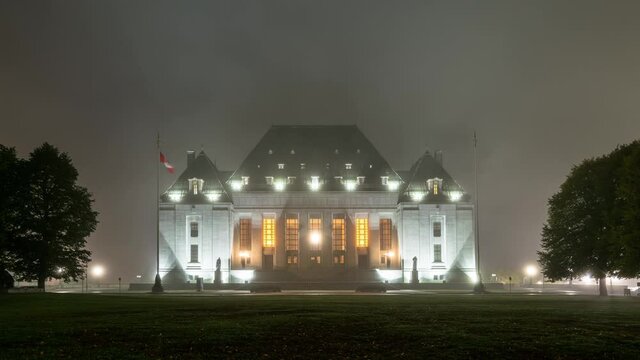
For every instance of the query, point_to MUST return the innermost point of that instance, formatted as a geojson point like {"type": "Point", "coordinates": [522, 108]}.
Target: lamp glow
{"type": "Point", "coordinates": [279, 185]}
{"type": "Point", "coordinates": [390, 253]}
{"type": "Point", "coordinates": [455, 195]}
{"type": "Point", "coordinates": [236, 185]}
{"type": "Point", "coordinates": [349, 185]}
{"type": "Point", "coordinates": [175, 196]}
{"type": "Point", "coordinates": [244, 254]}
{"type": "Point", "coordinates": [393, 185]}
{"type": "Point", "coordinates": [315, 183]}
{"type": "Point", "coordinates": [213, 196]}
{"type": "Point", "coordinates": [315, 237]}
{"type": "Point", "coordinates": [97, 271]}
{"type": "Point", "coordinates": [530, 270]}
{"type": "Point", "coordinates": [416, 195]}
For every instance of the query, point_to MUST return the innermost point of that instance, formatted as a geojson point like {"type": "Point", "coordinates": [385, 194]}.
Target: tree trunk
{"type": "Point", "coordinates": [41, 280]}
{"type": "Point", "coordinates": [602, 286]}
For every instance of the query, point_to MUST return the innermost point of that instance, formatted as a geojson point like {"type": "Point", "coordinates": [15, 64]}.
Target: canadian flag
{"type": "Point", "coordinates": [166, 164]}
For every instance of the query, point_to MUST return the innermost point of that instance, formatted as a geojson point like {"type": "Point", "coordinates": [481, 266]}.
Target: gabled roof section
{"type": "Point", "coordinates": [333, 153]}
{"type": "Point", "coordinates": [416, 181]}
{"type": "Point", "coordinates": [213, 187]}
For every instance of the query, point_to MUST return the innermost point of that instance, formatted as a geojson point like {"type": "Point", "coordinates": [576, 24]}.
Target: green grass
{"type": "Point", "coordinates": [413, 326]}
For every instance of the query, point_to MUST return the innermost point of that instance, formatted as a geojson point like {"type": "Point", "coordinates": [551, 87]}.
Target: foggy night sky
{"type": "Point", "coordinates": [545, 84]}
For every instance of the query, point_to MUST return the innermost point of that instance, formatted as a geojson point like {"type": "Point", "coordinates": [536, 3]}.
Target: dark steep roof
{"type": "Point", "coordinates": [415, 180]}
{"type": "Point", "coordinates": [324, 151]}
{"type": "Point", "coordinates": [200, 167]}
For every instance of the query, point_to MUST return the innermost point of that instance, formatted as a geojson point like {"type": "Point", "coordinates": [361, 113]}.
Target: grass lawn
{"type": "Point", "coordinates": [275, 326]}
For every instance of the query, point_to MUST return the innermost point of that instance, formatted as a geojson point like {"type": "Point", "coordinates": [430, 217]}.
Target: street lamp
{"type": "Point", "coordinates": [97, 272]}
{"type": "Point", "coordinates": [389, 255]}
{"type": "Point", "coordinates": [530, 271]}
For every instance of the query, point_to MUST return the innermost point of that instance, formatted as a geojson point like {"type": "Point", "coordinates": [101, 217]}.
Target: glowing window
{"type": "Point", "coordinates": [195, 186]}
{"type": "Point", "coordinates": [291, 180]}
{"type": "Point", "coordinates": [245, 234]}
{"type": "Point", "coordinates": [291, 234]}
{"type": "Point", "coordinates": [280, 166]}
{"type": "Point", "coordinates": [385, 234]}
{"type": "Point", "coordinates": [303, 166]}
{"type": "Point", "coordinates": [347, 166]}
{"type": "Point", "coordinates": [435, 188]}
{"type": "Point", "coordinates": [337, 229]}
{"type": "Point", "coordinates": [384, 180]}
{"type": "Point", "coordinates": [362, 232]}
{"type": "Point", "coordinates": [315, 233]}
{"type": "Point", "coordinates": [269, 180]}
{"type": "Point", "coordinates": [194, 253]}
{"type": "Point", "coordinates": [245, 180]}
{"type": "Point", "coordinates": [360, 180]}
{"type": "Point", "coordinates": [268, 232]}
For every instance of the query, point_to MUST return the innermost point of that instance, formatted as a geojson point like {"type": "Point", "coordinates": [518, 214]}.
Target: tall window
{"type": "Point", "coordinates": [195, 186]}
{"type": "Point", "coordinates": [437, 229]}
{"type": "Point", "coordinates": [385, 234]}
{"type": "Point", "coordinates": [437, 253]}
{"type": "Point", "coordinates": [194, 229]}
{"type": "Point", "coordinates": [338, 236]}
{"type": "Point", "coordinates": [362, 232]}
{"type": "Point", "coordinates": [315, 232]}
{"type": "Point", "coordinates": [194, 253]}
{"type": "Point", "coordinates": [291, 234]}
{"type": "Point", "coordinates": [193, 235]}
{"type": "Point", "coordinates": [245, 234]}
{"type": "Point", "coordinates": [268, 232]}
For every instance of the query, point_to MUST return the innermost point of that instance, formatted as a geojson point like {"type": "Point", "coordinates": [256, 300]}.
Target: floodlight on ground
{"type": "Point", "coordinates": [279, 185]}
{"type": "Point", "coordinates": [175, 196]}
{"type": "Point", "coordinates": [416, 195]}
{"type": "Point", "coordinates": [236, 185]}
{"type": "Point", "coordinates": [455, 195]}
{"type": "Point", "coordinates": [393, 185]}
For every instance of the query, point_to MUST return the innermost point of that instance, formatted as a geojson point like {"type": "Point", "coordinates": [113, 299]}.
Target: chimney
{"type": "Point", "coordinates": [438, 156]}
{"type": "Point", "coordinates": [191, 156]}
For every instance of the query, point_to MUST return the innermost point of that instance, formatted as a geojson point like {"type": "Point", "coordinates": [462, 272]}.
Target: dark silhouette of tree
{"type": "Point", "coordinates": [628, 231]}
{"type": "Point", "coordinates": [583, 233]}
{"type": "Point", "coordinates": [54, 220]}
{"type": "Point", "coordinates": [8, 167]}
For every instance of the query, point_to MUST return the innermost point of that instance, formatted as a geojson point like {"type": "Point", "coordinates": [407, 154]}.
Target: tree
{"type": "Point", "coordinates": [628, 231]}
{"type": "Point", "coordinates": [8, 167]}
{"type": "Point", "coordinates": [54, 220]}
{"type": "Point", "coordinates": [588, 220]}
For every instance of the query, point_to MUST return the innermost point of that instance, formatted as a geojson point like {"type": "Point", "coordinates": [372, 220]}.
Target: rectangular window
{"type": "Point", "coordinates": [338, 259]}
{"type": "Point", "coordinates": [194, 253]}
{"type": "Point", "coordinates": [337, 229]}
{"type": "Point", "coordinates": [385, 234]}
{"type": "Point", "coordinates": [291, 180]}
{"type": "Point", "coordinates": [245, 234]}
{"type": "Point", "coordinates": [437, 229]}
{"type": "Point", "coordinates": [268, 232]}
{"type": "Point", "coordinates": [245, 180]}
{"type": "Point", "coordinates": [384, 180]}
{"type": "Point", "coordinates": [362, 232]}
{"type": "Point", "coordinates": [269, 180]}
{"type": "Point", "coordinates": [437, 253]}
{"type": "Point", "coordinates": [347, 166]}
{"type": "Point", "coordinates": [360, 180]}
{"type": "Point", "coordinates": [315, 233]}
{"type": "Point", "coordinates": [435, 188]}
{"type": "Point", "coordinates": [291, 234]}
{"type": "Point", "coordinates": [292, 259]}
{"type": "Point", "coordinates": [280, 166]}
{"type": "Point", "coordinates": [194, 229]}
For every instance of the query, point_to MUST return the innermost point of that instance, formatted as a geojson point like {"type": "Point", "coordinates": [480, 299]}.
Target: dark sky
{"type": "Point", "coordinates": [545, 84]}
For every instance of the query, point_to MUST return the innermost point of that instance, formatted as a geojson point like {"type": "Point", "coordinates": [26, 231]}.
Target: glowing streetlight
{"type": "Point", "coordinates": [97, 271]}
{"type": "Point", "coordinates": [530, 270]}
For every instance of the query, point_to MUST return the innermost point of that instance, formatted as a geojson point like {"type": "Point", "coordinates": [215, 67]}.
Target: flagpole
{"type": "Point", "coordinates": [479, 287]}
{"type": "Point", "coordinates": [157, 286]}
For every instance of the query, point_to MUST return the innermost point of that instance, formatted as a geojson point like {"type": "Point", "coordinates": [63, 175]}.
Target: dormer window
{"type": "Point", "coordinates": [269, 180]}
{"type": "Point", "coordinates": [435, 186]}
{"type": "Point", "coordinates": [347, 166]}
{"type": "Point", "coordinates": [245, 180]}
{"type": "Point", "coordinates": [291, 180]}
{"type": "Point", "coordinates": [384, 180]}
{"type": "Point", "coordinates": [303, 166]}
{"type": "Point", "coordinates": [280, 166]}
{"type": "Point", "coordinates": [195, 186]}
{"type": "Point", "coordinates": [360, 180]}
{"type": "Point", "coordinates": [270, 152]}
{"type": "Point", "coordinates": [338, 179]}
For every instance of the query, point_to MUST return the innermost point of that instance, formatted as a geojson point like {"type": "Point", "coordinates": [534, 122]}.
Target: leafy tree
{"type": "Point", "coordinates": [8, 167]}
{"type": "Point", "coordinates": [628, 230]}
{"type": "Point", "coordinates": [54, 220]}
{"type": "Point", "coordinates": [590, 218]}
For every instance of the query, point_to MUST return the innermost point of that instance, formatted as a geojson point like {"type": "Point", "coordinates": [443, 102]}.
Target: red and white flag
{"type": "Point", "coordinates": [166, 164]}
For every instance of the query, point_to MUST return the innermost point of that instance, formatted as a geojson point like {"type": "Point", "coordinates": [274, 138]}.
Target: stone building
{"type": "Point", "coordinates": [316, 203]}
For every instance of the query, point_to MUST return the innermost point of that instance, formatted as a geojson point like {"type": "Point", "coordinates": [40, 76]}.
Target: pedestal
{"type": "Point", "coordinates": [414, 277]}
{"type": "Point", "coordinates": [218, 278]}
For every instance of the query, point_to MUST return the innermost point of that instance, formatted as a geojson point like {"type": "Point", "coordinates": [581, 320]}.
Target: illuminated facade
{"type": "Point", "coordinates": [316, 203]}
